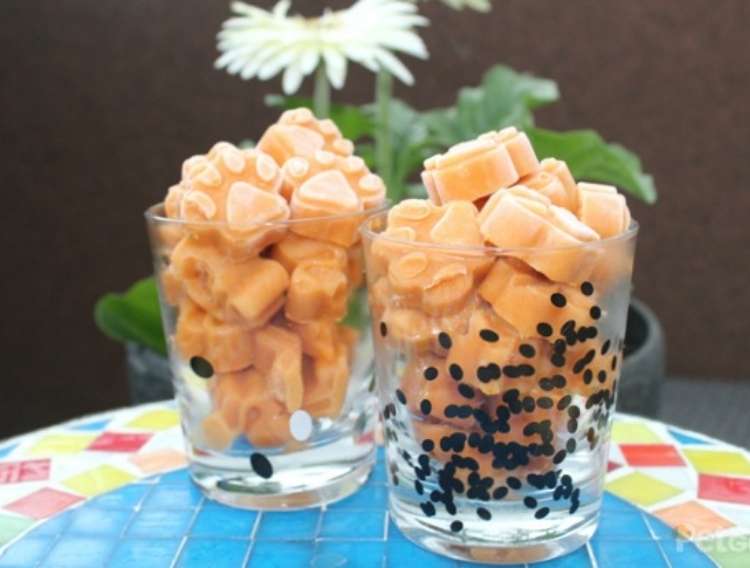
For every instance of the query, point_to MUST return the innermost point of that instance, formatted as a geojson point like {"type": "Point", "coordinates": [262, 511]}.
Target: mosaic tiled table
{"type": "Point", "coordinates": [112, 490]}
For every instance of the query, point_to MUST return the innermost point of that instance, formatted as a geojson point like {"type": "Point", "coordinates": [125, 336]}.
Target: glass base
{"type": "Point", "coordinates": [300, 488]}
{"type": "Point", "coordinates": [412, 525]}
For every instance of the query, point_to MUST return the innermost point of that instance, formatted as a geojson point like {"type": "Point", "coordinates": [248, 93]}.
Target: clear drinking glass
{"type": "Point", "coordinates": [271, 356]}
{"type": "Point", "coordinates": [497, 388]}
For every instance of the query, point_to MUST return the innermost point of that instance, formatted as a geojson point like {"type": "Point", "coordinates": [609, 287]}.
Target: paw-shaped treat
{"type": "Point", "coordinates": [317, 291]}
{"type": "Point", "coordinates": [294, 249]}
{"type": "Point", "coordinates": [554, 180]}
{"type": "Point", "coordinates": [603, 209]}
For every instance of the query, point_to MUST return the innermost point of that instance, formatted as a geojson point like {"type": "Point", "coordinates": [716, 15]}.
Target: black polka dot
{"type": "Point", "coordinates": [428, 445]}
{"type": "Point", "coordinates": [544, 402]}
{"type": "Point", "coordinates": [201, 367]}
{"type": "Point", "coordinates": [514, 483]}
{"type": "Point", "coordinates": [614, 363]}
{"type": "Point", "coordinates": [544, 329]}
{"type": "Point", "coordinates": [596, 312]}
{"type": "Point", "coordinates": [383, 329]}
{"type": "Point", "coordinates": [602, 376]}
{"type": "Point", "coordinates": [529, 501]}
{"type": "Point", "coordinates": [587, 288]}
{"type": "Point", "coordinates": [456, 526]}
{"type": "Point", "coordinates": [558, 360]}
{"type": "Point", "coordinates": [456, 372]}
{"type": "Point", "coordinates": [541, 513]}
{"type": "Point", "coordinates": [445, 340]}
{"type": "Point", "coordinates": [570, 445]}
{"type": "Point", "coordinates": [489, 335]}
{"type": "Point", "coordinates": [527, 350]}
{"type": "Point", "coordinates": [428, 508]}
{"type": "Point", "coordinates": [430, 373]}
{"type": "Point", "coordinates": [500, 493]}
{"type": "Point", "coordinates": [466, 391]}
{"type": "Point", "coordinates": [425, 406]}
{"type": "Point", "coordinates": [588, 376]}
{"type": "Point", "coordinates": [558, 300]}
{"type": "Point", "coordinates": [401, 396]}
{"type": "Point", "coordinates": [606, 347]}
{"type": "Point", "coordinates": [484, 514]}
{"type": "Point", "coordinates": [261, 465]}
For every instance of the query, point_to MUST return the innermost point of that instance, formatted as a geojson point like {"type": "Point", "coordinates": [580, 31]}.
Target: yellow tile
{"type": "Point", "coordinates": [159, 460]}
{"type": "Point", "coordinates": [98, 480]}
{"type": "Point", "coordinates": [710, 461]}
{"type": "Point", "coordinates": [56, 444]}
{"type": "Point", "coordinates": [156, 420]}
{"type": "Point", "coordinates": [633, 433]}
{"type": "Point", "coordinates": [642, 489]}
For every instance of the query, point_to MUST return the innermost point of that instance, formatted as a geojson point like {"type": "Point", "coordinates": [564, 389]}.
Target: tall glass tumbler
{"type": "Point", "coordinates": [271, 356]}
{"type": "Point", "coordinates": [497, 388]}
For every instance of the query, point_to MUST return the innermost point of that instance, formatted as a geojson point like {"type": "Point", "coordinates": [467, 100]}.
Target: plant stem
{"type": "Point", "coordinates": [321, 93]}
{"type": "Point", "coordinates": [383, 153]}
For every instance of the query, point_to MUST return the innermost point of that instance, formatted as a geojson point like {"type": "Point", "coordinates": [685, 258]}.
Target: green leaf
{"type": "Point", "coordinates": [504, 98]}
{"type": "Point", "coordinates": [133, 316]}
{"type": "Point", "coordinates": [591, 158]}
{"type": "Point", "coordinates": [353, 122]}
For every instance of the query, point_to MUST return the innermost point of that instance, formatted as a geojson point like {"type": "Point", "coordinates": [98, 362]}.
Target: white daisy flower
{"type": "Point", "coordinates": [262, 44]}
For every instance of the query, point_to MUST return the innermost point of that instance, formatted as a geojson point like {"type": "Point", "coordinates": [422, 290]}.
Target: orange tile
{"type": "Point", "coordinates": [691, 519]}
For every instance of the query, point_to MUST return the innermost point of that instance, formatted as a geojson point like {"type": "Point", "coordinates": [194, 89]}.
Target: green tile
{"type": "Point", "coordinates": [11, 527]}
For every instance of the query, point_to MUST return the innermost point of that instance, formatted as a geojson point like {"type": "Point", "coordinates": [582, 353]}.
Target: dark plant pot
{"type": "Point", "coordinates": [640, 385]}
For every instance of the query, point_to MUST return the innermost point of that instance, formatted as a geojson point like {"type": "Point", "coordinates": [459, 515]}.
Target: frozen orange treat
{"type": "Point", "coordinates": [251, 292]}
{"type": "Point", "coordinates": [294, 249]}
{"type": "Point", "coordinates": [326, 382]}
{"type": "Point", "coordinates": [267, 425]}
{"type": "Point", "coordinates": [519, 147]}
{"type": "Point", "coordinates": [603, 209]}
{"type": "Point", "coordinates": [448, 290]}
{"type": "Point", "coordinates": [317, 291]}
{"type": "Point", "coordinates": [278, 356]}
{"type": "Point", "coordinates": [410, 327]}
{"type": "Point", "coordinates": [195, 262]}
{"type": "Point", "coordinates": [227, 347]}
{"type": "Point", "coordinates": [319, 338]}
{"type": "Point", "coordinates": [418, 215]}
{"type": "Point", "coordinates": [554, 180]}
{"type": "Point", "coordinates": [529, 302]}
{"type": "Point", "coordinates": [469, 171]}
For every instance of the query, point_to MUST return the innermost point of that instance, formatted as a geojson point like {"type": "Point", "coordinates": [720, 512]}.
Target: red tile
{"type": "Point", "coordinates": [20, 471]}
{"type": "Point", "coordinates": [43, 503]}
{"type": "Point", "coordinates": [719, 488]}
{"type": "Point", "coordinates": [651, 455]}
{"type": "Point", "coordinates": [114, 442]}
{"type": "Point", "coordinates": [611, 466]}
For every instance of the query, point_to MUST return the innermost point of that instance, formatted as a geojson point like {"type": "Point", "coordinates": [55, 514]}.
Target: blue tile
{"type": "Point", "coordinates": [684, 554]}
{"type": "Point", "coordinates": [173, 496]}
{"type": "Point", "coordinates": [379, 472]}
{"type": "Point", "coordinates": [127, 497]}
{"type": "Point", "coordinates": [297, 525]}
{"type": "Point", "coordinates": [579, 558]}
{"type": "Point", "coordinates": [661, 530]}
{"type": "Point", "coordinates": [619, 553]}
{"type": "Point", "coordinates": [178, 476]}
{"type": "Point", "coordinates": [352, 554]}
{"type": "Point", "coordinates": [373, 496]}
{"type": "Point", "coordinates": [612, 504]}
{"type": "Point", "coordinates": [218, 520]}
{"type": "Point", "coordinates": [346, 524]}
{"type": "Point", "coordinates": [5, 450]}
{"type": "Point", "coordinates": [394, 533]}
{"type": "Point", "coordinates": [92, 426]}
{"type": "Point", "coordinates": [405, 553]}
{"type": "Point", "coordinates": [87, 521]}
{"type": "Point", "coordinates": [623, 526]}
{"type": "Point", "coordinates": [54, 526]}
{"type": "Point", "coordinates": [686, 438]}
{"type": "Point", "coordinates": [216, 553]}
{"type": "Point", "coordinates": [241, 446]}
{"type": "Point", "coordinates": [144, 553]}
{"type": "Point", "coordinates": [28, 551]}
{"type": "Point", "coordinates": [152, 523]}
{"type": "Point", "coordinates": [277, 555]}
{"type": "Point", "coordinates": [79, 553]}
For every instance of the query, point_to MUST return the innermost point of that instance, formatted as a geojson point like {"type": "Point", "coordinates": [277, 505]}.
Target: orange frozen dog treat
{"type": "Point", "coordinates": [318, 338]}
{"type": "Point", "coordinates": [278, 356]}
{"type": "Point", "coordinates": [603, 209]}
{"type": "Point", "coordinates": [228, 347]}
{"type": "Point", "coordinates": [519, 147]}
{"type": "Point", "coordinates": [251, 292]}
{"type": "Point", "coordinates": [317, 291]}
{"type": "Point", "coordinates": [294, 249]}
{"type": "Point", "coordinates": [525, 299]}
{"type": "Point", "coordinates": [554, 181]}
{"type": "Point", "coordinates": [410, 327]}
{"type": "Point", "coordinates": [299, 133]}
{"type": "Point", "coordinates": [326, 382]}
{"type": "Point", "coordinates": [268, 425]}
{"type": "Point", "coordinates": [194, 263]}
{"type": "Point", "coordinates": [469, 171]}
{"type": "Point", "coordinates": [419, 215]}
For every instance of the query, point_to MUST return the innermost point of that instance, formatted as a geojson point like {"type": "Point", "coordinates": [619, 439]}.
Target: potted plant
{"type": "Point", "coordinates": [395, 139]}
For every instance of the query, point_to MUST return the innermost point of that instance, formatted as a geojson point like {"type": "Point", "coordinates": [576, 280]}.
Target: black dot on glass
{"type": "Point", "coordinates": [456, 526]}
{"type": "Point", "coordinates": [606, 346]}
{"type": "Point", "coordinates": [587, 288]}
{"type": "Point", "coordinates": [430, 373]}
{"type": "Point", "coordinates": [428, 508]}
{"type": "Point", "coordinates": [557, 360]}
{"type": "Point", "coordinates": [588, 376]}
{"type": "Point", "coordinates": [541, 513]}
{"type": "Point", "coordinates": [558, 300]}
{"type": "Point", "coordinates": [514, 483]}
{"type": "Point", "coordinates": [489, 336]}
{"type": "Point", "coordinates": [484, 514]}
{"type": "Point", "coordinates": [445, 340]}
{"type": "Point", "coordinates": [500, 493]}
{"type": "Point", "coordinates": [401, 396]}
{"type": "Point", "coordinates": [201, 367]}
{"type": "Point", "coordinates": [529, 501]}
{"type": "Point", "coordinates": [425, 406]}
{"type": "Point", "coordinates": [596, 312]}
{"type": "Point", "coordinates": [602, 376]}
{"type": "Point", "coordinates": [261, 465]}
{"type": "Point", "coordinates": [456, 372]}
{"type": "Point", "coordinates": [466, 391]}
{"type": "Point", "coordinates": [544, 329]}
{"type": "Point", "coordinates": [428, 445]}
{"type": "Point", "coordinates": [383, 329]}
{"type": "Point", "coordinates": [527, 350]}
{"type": "Point", "coordinates": [614, 363]}
{"type": "Point", "coordinates": [570, 445]}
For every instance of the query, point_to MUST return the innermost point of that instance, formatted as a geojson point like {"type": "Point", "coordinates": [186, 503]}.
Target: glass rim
{"type": "Point", "coordinates": [630, 233]}
{"type": "Point", "coordinates": [155, 214]}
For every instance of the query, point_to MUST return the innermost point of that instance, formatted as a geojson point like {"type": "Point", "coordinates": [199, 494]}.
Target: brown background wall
{"type": "Point", "coordinates": [101, 100]}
